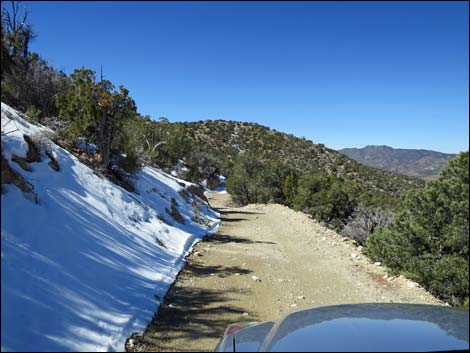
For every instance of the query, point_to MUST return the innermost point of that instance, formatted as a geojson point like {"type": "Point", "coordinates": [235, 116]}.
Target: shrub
{"type": "Point", "coordinates": [129, 163]}
{"type": "Point", "coordinates": [364, 221]}
{"type": "Point", "coordinates": [429, 238]}
{"type": "Point", "coordinates": [254, 181]}
{"type": "Point", "coordinates": [327, 199]}
{"type": "Point", "coordinates": [33, 112]}
{"type": "Point", "coordinates": [203, 166]}
{"type": "Point", "coordinates": [243, 183]}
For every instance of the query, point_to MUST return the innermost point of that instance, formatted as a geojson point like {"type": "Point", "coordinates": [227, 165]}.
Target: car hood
{"type": "Point", "coordinates": [371, 327]}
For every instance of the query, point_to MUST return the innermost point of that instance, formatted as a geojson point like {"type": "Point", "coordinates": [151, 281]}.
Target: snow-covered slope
{"type": "Point", "coordinates": [89, 263]}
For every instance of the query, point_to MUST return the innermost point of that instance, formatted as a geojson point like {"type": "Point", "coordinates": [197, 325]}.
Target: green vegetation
{"type": "Point", "coordinates": [203, 166]}
{"type": "Point", "coordinates": [328, 199]}
{"type": "Point", "coordinates": [96, 112]}
{"type": "Point", "coordinates": [428, 240]}
{"type": "Point", "coordinates": [81, 109]}
{"type": "Point", "coordinates": [226, 140]}
{"type": "Point", "coordinates": [253, 181]}
{"type": "Point", "coordinates": [28, 83]}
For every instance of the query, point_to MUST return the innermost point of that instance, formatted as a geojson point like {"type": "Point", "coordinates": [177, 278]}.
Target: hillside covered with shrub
{"type": "Point", "coordinates": [226, 140]}
{"type": "Point", "coordinates": [420, 163]}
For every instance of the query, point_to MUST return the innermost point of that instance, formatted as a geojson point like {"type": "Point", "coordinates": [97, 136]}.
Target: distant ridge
{"type": "Point", "coordinates": [425, 164]}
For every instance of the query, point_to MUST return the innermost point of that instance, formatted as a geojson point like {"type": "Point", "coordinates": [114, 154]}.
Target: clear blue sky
{"type": "Point", "coordinates": [346, 74]}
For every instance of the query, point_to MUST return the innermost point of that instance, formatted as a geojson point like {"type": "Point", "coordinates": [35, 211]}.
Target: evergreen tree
{"type": "Point", "coordinates": [96, 111]}
{"type": "Point", "coordinates": [290, 189]}
{"type": "Point", "coordinates": [429, 237]}
{"type": "Point", "coordinates": [79, 105]}
{"type": "Point", "coordinates": [243, 182]}
{"type": "Point", "coordinates": [115, 107]}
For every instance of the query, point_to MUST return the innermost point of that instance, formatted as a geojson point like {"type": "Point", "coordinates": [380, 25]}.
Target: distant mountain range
{"type": "Point", "coordinates": [424, 164]}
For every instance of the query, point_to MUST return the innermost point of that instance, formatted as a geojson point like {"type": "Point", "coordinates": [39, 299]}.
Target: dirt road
{"type": "Point", "coordinates": [265, 261]}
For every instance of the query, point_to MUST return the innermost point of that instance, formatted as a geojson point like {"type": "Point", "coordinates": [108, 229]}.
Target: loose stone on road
{"type": "Point", "coordinates": [264, 262]}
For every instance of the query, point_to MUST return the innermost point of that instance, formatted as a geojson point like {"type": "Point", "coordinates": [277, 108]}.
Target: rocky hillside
{"type": "Point", "coordinates": [227, 139]}
{"type": "Point", "coordinates": [417, 163]}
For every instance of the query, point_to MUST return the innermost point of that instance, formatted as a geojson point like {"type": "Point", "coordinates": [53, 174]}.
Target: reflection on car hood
{"type": "Point", "coordinates": [371, 327]}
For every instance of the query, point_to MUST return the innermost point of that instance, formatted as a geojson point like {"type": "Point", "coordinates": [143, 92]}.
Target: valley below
{"type": "Point", "coordinates": [264, 262]}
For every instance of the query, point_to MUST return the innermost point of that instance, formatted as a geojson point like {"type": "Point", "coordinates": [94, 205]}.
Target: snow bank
{"type": "Point", "coordinates": [221, 189]}
{"type": "Point", "coordinates": [89, 263]}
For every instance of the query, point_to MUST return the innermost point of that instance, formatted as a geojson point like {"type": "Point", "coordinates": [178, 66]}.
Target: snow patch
{"type": "Point", "coordinates": [81, 270]}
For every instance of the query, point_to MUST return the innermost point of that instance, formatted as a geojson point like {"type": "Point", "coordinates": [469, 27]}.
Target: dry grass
{"type": "Point", "coordinates": [10, 176]}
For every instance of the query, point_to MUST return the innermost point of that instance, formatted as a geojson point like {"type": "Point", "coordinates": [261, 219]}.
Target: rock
{"type": "Point", "coordinates": [130, 343]}
{"type": "Point", "coordinates": [377, 263]}
{"type": "Point", "coordinates": [237, 274]}
{"type": "Point", "coordinates": [323, 238]}
{"type": "Point", "coordinates": [21, 162]}
{"type": "Point", "coordinates": [385, 277]}
{"type": "Point", "coordinates": [293, 305]}
{"type": "Point", "coordinates": [354, 255]}
{"type": "Point", "coordinates": [245, 314]}
{"type": "Point", "coordinates": [53, 162]}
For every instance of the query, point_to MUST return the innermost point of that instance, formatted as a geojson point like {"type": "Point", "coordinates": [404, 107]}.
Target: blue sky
{"type": "Point", "coordinates": [346, 74]}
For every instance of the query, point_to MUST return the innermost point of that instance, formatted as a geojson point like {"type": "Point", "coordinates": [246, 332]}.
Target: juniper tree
{"type": "Point", "coordinates": [428, 239]}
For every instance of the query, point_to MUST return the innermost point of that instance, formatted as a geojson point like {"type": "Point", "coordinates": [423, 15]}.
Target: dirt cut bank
{"type": "Point", "coordinates": [265, 261]}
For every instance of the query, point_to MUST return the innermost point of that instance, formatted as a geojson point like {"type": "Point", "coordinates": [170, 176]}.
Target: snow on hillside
{"type": "Point", "coordinates": [89, 263]}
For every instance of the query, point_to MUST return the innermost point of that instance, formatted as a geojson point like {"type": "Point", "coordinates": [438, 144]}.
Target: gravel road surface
{"type": "Point", "coordinates": [264, 262]}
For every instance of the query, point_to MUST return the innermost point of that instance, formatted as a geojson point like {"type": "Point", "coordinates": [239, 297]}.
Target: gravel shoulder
{"type": "Point", "coordinates": [264, 262]}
